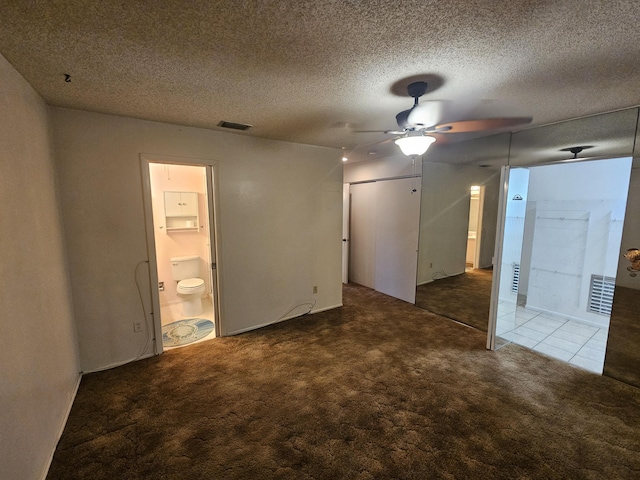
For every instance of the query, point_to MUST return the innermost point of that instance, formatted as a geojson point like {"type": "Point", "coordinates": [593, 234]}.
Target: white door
{"type": "Point", "coordinates": [362, 241]}
{"type": "Point", "coordinates": [173, 204]}
{"type": "Point", "coordinates": [385, 218]}
{"type": "Point", "coordinates": [189, 203]}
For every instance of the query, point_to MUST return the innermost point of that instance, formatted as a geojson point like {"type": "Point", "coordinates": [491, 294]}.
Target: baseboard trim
{"type": "Point", "coordinates": [119, 364]}
{"type": "Point", "coordinates": [255, 327]}
{"type": "Point", "coordinates": [326, 308]}
{"type": "Point", "coordinates": [587, 321]}
{"type": "Point", "coordinates": [62, 425]}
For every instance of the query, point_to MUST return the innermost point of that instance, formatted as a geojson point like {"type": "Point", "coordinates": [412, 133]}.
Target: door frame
{"type": "Point", "coordinates": [476, 257]}
{"type": "Point", "coordinates": [346, 218]}
{"type": "Point", "coordinates": [497, 257]}
{"type": "Point", "coordinates": [213, 201]}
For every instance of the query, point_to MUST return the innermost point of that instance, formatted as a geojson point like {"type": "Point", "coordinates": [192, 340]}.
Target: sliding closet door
{"type": "Point", "coordinates": [362, 243]}
{"type": "Point", "coordinates": [384, 236]}
{"type": "Point", "coordinates": [397, 227]}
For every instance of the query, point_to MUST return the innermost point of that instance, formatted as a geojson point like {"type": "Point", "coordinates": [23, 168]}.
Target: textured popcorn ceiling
{"type": "Point", "coordinates": [314, 71]}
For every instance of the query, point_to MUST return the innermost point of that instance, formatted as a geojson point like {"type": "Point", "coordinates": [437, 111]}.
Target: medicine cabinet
{"type": "Point", "coordinates": [181, 211]}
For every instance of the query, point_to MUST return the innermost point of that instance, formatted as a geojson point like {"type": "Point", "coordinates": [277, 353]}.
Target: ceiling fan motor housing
{"type": "Point", "coordinates": [417, 89]}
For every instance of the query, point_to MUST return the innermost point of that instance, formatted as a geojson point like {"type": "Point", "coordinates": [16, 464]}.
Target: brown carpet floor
{"type": "Point", "coordinates": [465, 297]}
{"type": "Point", "coordinates": [623, 344]}
{"type": "Point", "coordinates": [377, 389]}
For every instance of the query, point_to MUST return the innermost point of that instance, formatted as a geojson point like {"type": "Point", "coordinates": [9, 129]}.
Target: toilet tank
{"type": "Point", "coordinates": [185, 267]}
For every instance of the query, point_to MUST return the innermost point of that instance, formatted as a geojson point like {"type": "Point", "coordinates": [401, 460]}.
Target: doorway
{"type": "Point", "coordinates": [181, 239]}
{"type": "Point", "coordinates": [474, 231]}
{"type": "Point", "coordinates": [558, 258]}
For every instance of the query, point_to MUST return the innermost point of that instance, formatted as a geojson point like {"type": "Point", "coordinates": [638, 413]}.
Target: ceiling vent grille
{"type": "Point", "coordinates": [601, 294]}
{"type": "Point", "coordinates": [234, 125]}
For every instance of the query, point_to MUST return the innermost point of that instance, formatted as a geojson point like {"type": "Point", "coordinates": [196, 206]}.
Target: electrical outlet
{"type": "Point", "coordinates": [137, 326]}
{"type": "Point", "coordinates": [161, 286]}
{"type": "Point", "coordinates": [315, 289]}
{"type": "Point", "coordinates": [431, 265]}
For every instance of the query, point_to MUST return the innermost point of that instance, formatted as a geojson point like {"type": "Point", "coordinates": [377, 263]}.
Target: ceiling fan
{"type": "Point", "coordinates": [420, 122]}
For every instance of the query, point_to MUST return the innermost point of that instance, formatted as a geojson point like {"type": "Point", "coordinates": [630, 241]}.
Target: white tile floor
{"type": "Point", "coordinates": [173, 313]}
{"type": "Point", "coordinates": [577, 343]}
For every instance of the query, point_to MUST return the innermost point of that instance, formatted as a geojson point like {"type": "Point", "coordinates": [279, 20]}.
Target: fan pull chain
{"type": "Point", "coordinates": [413, 176]}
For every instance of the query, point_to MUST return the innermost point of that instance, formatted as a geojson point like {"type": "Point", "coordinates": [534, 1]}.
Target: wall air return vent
{"type": "Point", "coordinates": [234, 126]}
{"type": "Point", "coordinates": [601, 294]}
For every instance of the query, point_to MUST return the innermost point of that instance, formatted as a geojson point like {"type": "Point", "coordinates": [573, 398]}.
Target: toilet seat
{"type": "Point", "coordinates": [191, 285]}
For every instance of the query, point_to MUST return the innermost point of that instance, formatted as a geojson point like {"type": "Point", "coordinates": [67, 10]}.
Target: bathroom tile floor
{"type": "Point", "coordinates": [574, 342]}
{"type": "Point", "coordinates": [173, 313]}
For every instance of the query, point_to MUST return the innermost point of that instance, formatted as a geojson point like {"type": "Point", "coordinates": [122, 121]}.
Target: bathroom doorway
{"type": "Point", "coordinates": [558, 258]}
{"type": "Point", "coordinates": [181, 239]}
{"type": "Point", "coordinates": [474, 231]}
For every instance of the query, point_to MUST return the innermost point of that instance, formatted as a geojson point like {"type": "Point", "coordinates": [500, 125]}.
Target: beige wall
{"type": "Point", "coordinates": [444, 218]}
{"type": "Point", "coordinates": [40, 369]}
{"type": "Point", "coordinates": [280, 207]}
{"type": "Point", "coordinates": [379, 168]}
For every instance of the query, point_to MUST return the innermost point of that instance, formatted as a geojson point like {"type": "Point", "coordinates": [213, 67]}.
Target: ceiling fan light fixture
{"type": "Point", "coordinates": [415, 145]}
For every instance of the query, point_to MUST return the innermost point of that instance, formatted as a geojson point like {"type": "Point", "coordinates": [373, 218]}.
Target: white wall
{"type": "Point", "coordinates": [280, 225]}
{"type": "Point", "coordinates": [444, 217]}
{"type": "Point", "coordinates": [40, 370]}
{"type": "Point", "coordinates": [514, 228]}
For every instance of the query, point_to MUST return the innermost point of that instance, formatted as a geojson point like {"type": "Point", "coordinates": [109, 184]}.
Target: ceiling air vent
{"type": "Point", "coordinates": [234, 126]}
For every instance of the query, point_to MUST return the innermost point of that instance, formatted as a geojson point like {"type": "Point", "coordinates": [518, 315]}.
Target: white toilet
{"type": "Point", "coordinates": [185, 271]}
